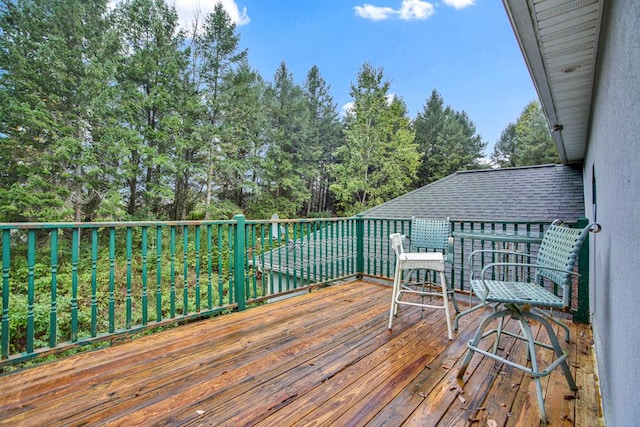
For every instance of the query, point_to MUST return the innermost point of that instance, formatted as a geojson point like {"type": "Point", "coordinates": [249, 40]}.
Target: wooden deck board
{"type": "Point", "coordinates": [326, 358]}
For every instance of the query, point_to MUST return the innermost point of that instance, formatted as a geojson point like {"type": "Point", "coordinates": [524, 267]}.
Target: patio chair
{"type": "Point", "coordinates": [524, 301]}
{"type": "Point", "coordinates": [425, 235]}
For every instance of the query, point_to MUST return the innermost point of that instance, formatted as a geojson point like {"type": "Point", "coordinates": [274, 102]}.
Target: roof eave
{"type": "Point", "coordinates": [523, 26]}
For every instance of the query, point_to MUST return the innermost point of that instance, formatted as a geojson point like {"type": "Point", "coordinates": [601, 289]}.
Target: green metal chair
{"type": "Point", "coordinates": [524, 301]}
{"type": "Point", "coordinates": [431, 239]}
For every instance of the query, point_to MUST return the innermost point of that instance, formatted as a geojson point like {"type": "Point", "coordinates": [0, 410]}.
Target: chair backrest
{"type": "Point", "coordinates": [432, 234]}
{"type": "Point", "coordinates": [559, 249]}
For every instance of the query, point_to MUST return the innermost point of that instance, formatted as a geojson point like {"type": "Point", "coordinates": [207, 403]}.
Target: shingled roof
{"type": "Point", "coordinates": [532, 193]}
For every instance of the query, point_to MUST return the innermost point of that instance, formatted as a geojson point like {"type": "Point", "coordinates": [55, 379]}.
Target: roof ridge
{"type": "Point", "coordinates": [512, 168]}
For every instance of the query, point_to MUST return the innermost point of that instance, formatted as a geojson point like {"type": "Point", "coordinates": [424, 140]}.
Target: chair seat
{"type": "Point", "coordinates": [515, 293]}
{"type": "Point", "coordinates": [422, 260]}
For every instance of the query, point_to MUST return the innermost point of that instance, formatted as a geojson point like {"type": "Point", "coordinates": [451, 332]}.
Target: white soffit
{"type": "Point", "coordinates": [559, 41]}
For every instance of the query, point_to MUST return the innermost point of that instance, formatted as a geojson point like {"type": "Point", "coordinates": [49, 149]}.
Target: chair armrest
{"type": "Point", "coordinates": [489, 266]}
{"type": "Point", "coordinates": [499, 251]}
{"type": "Point", "coordinates": [494, 251]}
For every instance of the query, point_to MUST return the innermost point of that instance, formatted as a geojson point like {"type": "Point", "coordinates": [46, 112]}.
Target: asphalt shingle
{"type": "Point", "coordinates": [532, 193]}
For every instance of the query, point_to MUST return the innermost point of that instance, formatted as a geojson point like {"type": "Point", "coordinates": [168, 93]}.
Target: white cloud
{"type": "Point", "coordinates": [415, 9]}
{"type": "Point", "coordinates": [459, 4]}
{"type": "Point", "coordinates": [409, 10]}
{"type": "Point", "coordinates": [347, 108]}
{"type": "Point", "coordinates": [374, 13]}
{"type": "Point", "coordinates": [187, 10]}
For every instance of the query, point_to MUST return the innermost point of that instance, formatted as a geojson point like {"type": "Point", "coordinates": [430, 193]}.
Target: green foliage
{"type": "Point", "coordinates": [447, 140]}
{"type": "Point", "coordinates": [379, 158]}
{"type": "Point", "coordinates": [115, 113]}
{"type": "Point", "coordinates": [323, 138]}
{"type": "Point", "coordinates": [527, 142]}
{"type": "Point", "coordinates": [283, 186]}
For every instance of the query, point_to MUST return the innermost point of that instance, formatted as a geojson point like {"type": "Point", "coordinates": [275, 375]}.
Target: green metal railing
{"type": "Point", "coordinates": [66, 285]}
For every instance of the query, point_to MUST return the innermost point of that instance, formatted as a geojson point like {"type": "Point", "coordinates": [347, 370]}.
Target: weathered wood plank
{"type": "Point", "coordinates": [322, 358]}
{"type": "Point", "coordinates": [498, 407]}
{"type": "Point", "coordinates": [525, 407]}
{"type": "Point", "coordinates": [212, 375]}
{"type": "Point", "coordinates": [383, 372]}
{"type": "Point", "coordinates": [462, 400]}
{"type": "Point", "coordinates": [114, 381]}
{"type": "Point", "coordinates": [412, 396]}
{"type": "Point", "coordinates": [588, 408]}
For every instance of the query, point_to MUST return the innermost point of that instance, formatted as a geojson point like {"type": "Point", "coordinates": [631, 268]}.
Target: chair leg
{"type": "Point", "coordinates": [556, 348]}
{"type": "Point", "coordinates": [473, 345]}
{"type": "Point", "coordinates": [396, 288]}
{"type": "Point", "coordinates": [452, 292]}
{"type": "Point", "coordinates": [531, 347]}
{"type": "Point", "coordinates": [556, 321]}
{"type": "Point", "coordinates": [498, 334]}
{"type": "Point", "coordinates": [523, 318]}
{"type": "Point", "coordinates": [445, 296]}
{"type": "Point", "coordinates": [464, 313]}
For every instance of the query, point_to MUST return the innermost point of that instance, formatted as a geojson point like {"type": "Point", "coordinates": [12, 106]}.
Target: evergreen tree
{"type": "Point", "coordinates": [151, 65]}
{"type": "Point", "coordinates": [527, 142]}
{"type": "Point", "coordinates": [54, 62]}
{"type": "Point", "coordinates": [324, 137]}
{"type": "Point", "coordinates": [447, 140]}
{"type": "Point", "coordinates": [283, 183]}
{"type": "Point", "coordinates": [243, 136]}
{"type": "Point", "coordinates": [504, 152]}
{"type": "Point", "coordinates": [379, 158]}
{"type": "Point", "coordinates": [218, 46]}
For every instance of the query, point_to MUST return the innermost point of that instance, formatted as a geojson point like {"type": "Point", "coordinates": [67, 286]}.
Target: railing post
{"type": "Point", "coordinates": [582, 313]}
{"type": "Point", "coordinates": [238, 261]}
{"type": "Point", "coordinates": [359, 246]}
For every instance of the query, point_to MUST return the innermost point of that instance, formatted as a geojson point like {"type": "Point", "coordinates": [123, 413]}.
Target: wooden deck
{"type": "Point", "coordinates": [326, 358]}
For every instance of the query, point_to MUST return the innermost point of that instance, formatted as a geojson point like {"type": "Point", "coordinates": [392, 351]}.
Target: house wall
{"type": "Point", "coordinates": [613, 163]}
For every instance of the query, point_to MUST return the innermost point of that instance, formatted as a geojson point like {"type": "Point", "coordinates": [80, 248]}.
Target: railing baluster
{"type": "Point", "coordinates": [6, 269]}
{"type": "Point", "coordinates": [314, 226]}
{"type": "Point", "coordinates": [209, 266]}
{"type": "Point", "coordinates": [75, 248]}
{"type": "Point", "coordinates": [31, 261]}
{"type": "Point", "coordinates": [128, 296]}
{"type": "Point", "coordinates": [53, 314]}
{"type": "Point", "coordinates": [231, 262]}
{"type": "Point", "coordinates": [112, 278]}
{"type": "Point", "coordinates": [172, 273]}
{"type": "Point", "coordinates": [197, 267]}
{"type": "Point", "coordinates": [185, 270]}
{"type": "Point", "coordinates": [295, 257]}
{"type": "Point", "coordinates": [94, 282]}
{"type": "Point", "coordinates": [252, 237]}
{"type": "Point", "coordinates": [158, 273]}
{"type": "Point", "coordinates": [220, 275]}
{"type": "Point", "coordinates": [143, 243]}
{"type": "Point", "coordinates": [263, 247]}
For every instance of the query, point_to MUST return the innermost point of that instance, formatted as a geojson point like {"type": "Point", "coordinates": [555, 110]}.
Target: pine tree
{"type": "Point", "coordinates": [55, 62]}
{"type": "Point", "coordinates": [379, 159]}
{"type": "Point", "coordinates": [152, 62]}
{"type": "Point", "coordinates": [447, 140]}
{"type": "Point", "coordinates": [218, 46]}
{"type": "Point", "coordinates": [527, 142]}
{"type": "Point", "coordinates": [324, 137]}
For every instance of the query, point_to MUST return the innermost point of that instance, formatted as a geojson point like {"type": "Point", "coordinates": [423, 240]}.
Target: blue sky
{"type": "Point", "coordinates": [465, 49]}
